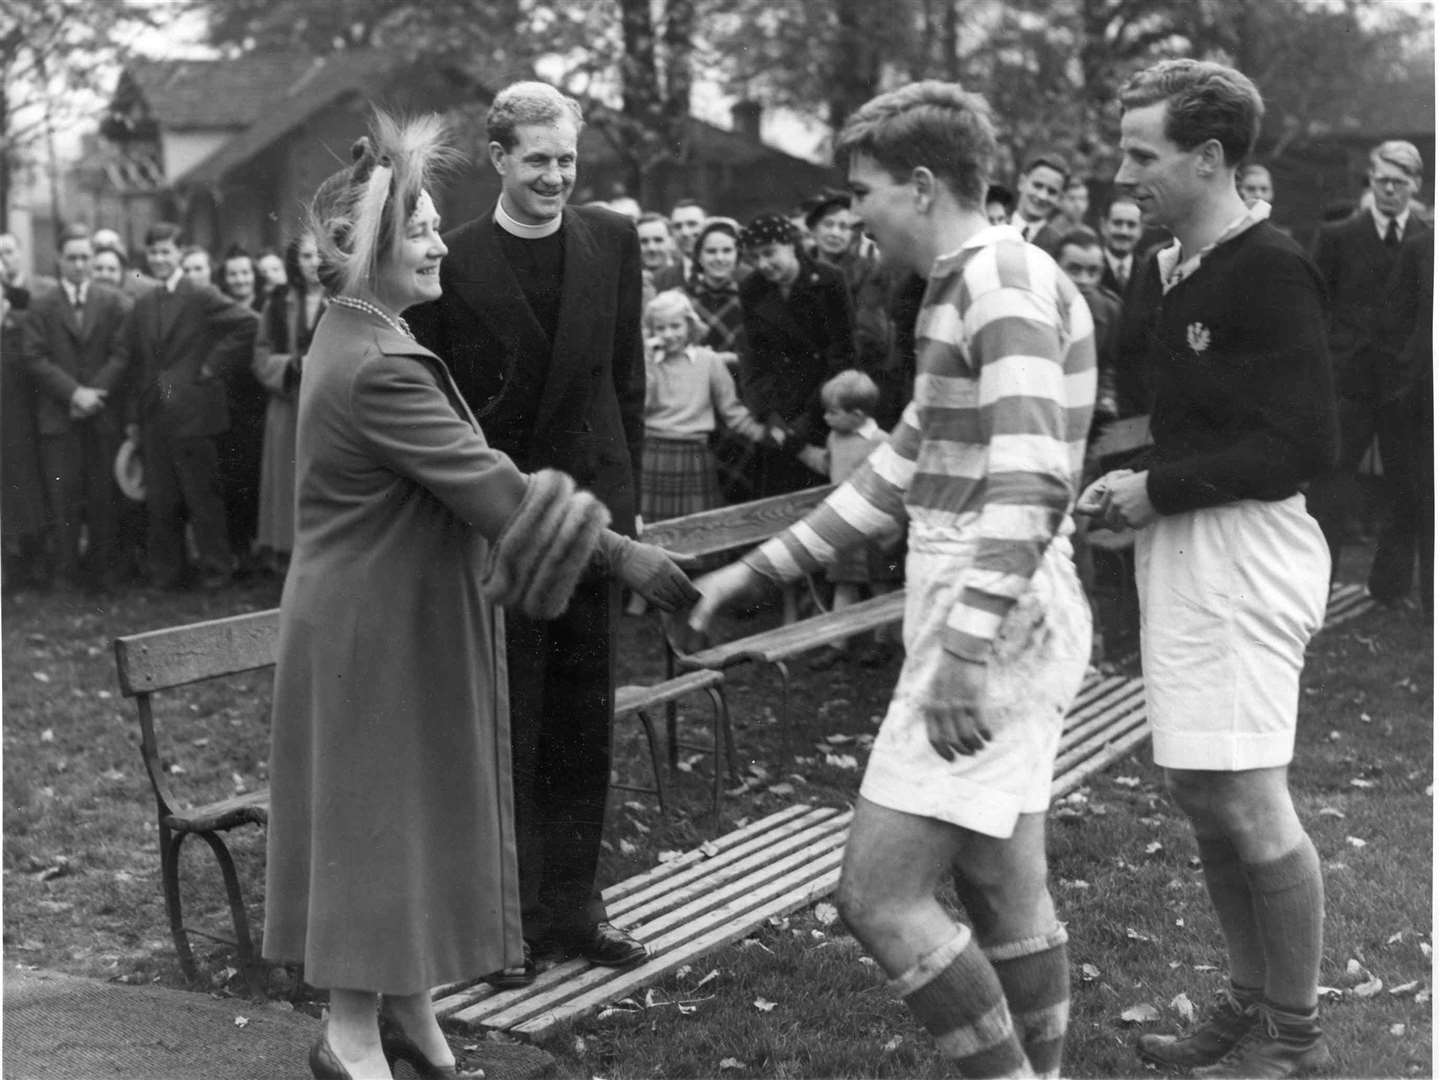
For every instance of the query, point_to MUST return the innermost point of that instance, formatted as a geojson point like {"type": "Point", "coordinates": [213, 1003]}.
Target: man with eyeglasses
{"type": "Point", "coordinates": [1356, 258]}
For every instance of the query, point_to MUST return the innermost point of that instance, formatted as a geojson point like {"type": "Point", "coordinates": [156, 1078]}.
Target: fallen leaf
{"type": "Point", "coordinates": [1140, 1014]}
{"type": "Point", "coordinates": [842, 761]}
{"type": "Point", "coordinates": [579, 1045]}
{"type": "Point", "coordinates": [1184, 1007]}
{"type": "Point", "coordinates": [1135, 935]}
{"type": "Point", "coordinates": [684, 1009]}
{"type": "Point", "coordinates": [1361, 783]}
{"type": "Point", "coordinates": [1127, 781]}
{"type": "Point", "coordinates": [1405, 988]}
{"type": "Point", "coordinates": [1425, 949]}
{"type": "Point", "coordinates": [711, 977]}
{"type": "Point", "coordinates": [1369, 988]}
{"type": "Point", "coordinates": [1354, 841]}
{"type": "Point", "coordinates": [761, 1005]}
{"type": "Point", "coordinates": [1154, 846]}
{"type": "Point", "coordinates": [48, 735]}
{"type": "Point", "coordinates": [836, 740]}
{"type": "Point", "coordinates": [1397, 1030]}
{"type": "Point", "coordinates": [40, 676]}
{"type": "Point", "coordinates": [242, 1021]}
{"type": "Point", "coordinates": [826, 913]}
{"type": "Point", "coordinates": [731, 1063]}
{"type": "Point", "coordinates": [1330, 992]}
{"type": "Point", "coordinates": [892, 1044]}
{"type": "Point", "coordinates": [627, 848]}
{"type": "Point", "coordinates": [1089, 972]}
{"type": "Point", "coordinates": [1399, 935]}
{"type": "Point", "coordinates": [782, 789]}
{"type": "Point", "coordinates": [1330, 811]}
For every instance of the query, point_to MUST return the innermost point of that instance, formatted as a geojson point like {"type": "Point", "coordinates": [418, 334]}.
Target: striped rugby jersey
{"type": "Point", "coordinates": [986, 459]}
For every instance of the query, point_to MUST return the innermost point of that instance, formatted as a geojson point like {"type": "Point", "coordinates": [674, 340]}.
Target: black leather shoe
{"type": "Point", "coordinates": [514, 978]}
{"type": "Point", "coordinates": [609, 946]}
{"type": "Point", "coordinates": [397, 1046]}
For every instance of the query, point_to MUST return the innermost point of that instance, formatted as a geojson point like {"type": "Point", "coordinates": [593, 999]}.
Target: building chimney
{"type": "Point", "coordinates": [745, 118]}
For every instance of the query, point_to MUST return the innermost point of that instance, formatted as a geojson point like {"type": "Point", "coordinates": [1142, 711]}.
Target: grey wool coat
{"type": "Point", "coordinates": [391, 854]}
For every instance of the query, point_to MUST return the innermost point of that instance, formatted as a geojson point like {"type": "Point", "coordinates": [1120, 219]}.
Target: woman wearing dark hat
{"type": "Point", "coordinates": [871, 287]}
{"type": "Point", "coordinates": [798, 324]}
{"type": "Point", "coordinates": [391, 855]}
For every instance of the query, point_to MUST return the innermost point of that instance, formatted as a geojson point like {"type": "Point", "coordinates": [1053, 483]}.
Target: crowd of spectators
{"type": "Point", "coordinates": [775, 308]}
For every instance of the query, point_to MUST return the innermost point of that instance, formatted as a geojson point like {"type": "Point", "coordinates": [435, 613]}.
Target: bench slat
{"type": "Point", "coordinates": [178, 655]}
{"type": "Point", "coordinates": [664, 870]}
{"type": "Point", "coordinates": [633, 698]}
{"type": "Point", "coordinates": [711, 532]}
{"type": "Point", "coordinates": [781, 642]}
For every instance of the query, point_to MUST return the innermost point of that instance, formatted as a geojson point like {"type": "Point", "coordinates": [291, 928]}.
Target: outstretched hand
{"type": "Point", "coordinates": [724, 588]}
{"type": "Point", "coordinates": [654, 573]}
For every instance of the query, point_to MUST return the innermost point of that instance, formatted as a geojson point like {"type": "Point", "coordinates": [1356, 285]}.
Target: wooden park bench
{"type": "Point", "coordinates": [164, 660]}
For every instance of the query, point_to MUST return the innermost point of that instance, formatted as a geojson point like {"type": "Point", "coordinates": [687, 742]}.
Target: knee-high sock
{"type": "Point", "coordinates": [1035, 973]}
{"type": "Point", "coordinates": [1229, 886]}
{"type": "Point", "coordinates": [1290, 910]}
{"type": "Point", "coordinates": [954, 992]}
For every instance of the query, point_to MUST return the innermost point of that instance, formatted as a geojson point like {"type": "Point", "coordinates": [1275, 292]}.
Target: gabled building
{"type": "Point", "coordinates": [233, 148]}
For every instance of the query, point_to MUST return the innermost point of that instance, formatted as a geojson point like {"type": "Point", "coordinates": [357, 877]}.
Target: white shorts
{"type": "Point", "coordinates": [1036, 665]}
{"type": "Point", "coordinates": [1229, 598]}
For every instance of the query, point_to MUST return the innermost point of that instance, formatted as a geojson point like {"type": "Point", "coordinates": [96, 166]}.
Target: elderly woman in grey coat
{"type": "Point", "coordinates": [391, 854]}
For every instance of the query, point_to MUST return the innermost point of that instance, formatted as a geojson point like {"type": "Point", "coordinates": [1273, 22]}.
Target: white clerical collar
{"type": "Point", "coordinates": [519, 228]}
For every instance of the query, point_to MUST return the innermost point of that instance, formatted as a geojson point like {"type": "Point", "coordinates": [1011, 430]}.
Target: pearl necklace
{"type": "Point", "coordinates": [397, 324]}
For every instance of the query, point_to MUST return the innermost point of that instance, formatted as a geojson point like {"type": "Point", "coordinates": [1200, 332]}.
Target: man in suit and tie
{"type": "Point", "coordinates": [76, 337]}
{"type": "Point", "coordinates": [1120, 229]}
{"type": "Point", "coordinates": [1041, 184]}
{"type": "Point", "coordinates": [182, 338]}
{"type": "Point", "coordinates": [1356, 258]}
{"type": "Point", "coordinates": [539, 322]}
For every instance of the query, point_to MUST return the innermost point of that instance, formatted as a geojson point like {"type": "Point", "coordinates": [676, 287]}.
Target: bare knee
{"type": "Point", "coordinates": [867, 911]}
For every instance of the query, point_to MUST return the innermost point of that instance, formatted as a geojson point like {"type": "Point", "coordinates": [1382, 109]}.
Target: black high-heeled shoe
{"type": "Point", "coordinates": [324, 1065]}
{"type": "Point", "coordinates": [397, 1046]}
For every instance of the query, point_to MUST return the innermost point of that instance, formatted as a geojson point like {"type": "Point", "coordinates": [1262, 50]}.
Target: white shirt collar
{"type": "Point", "coordinates": [174, 280]}
{"type": "Point", "coordinates": [1116, 262]}
{"type": "Point", "coordinates": [75, 293]}
{"type": "Point", "coordinates": [519, 228]}
{"type": "Point", "coordinates": [1173, 271]}
{"type": "Point", "coordinates": [1382, 221]}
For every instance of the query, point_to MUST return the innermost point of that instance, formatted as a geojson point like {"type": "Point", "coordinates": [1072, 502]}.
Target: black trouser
{"type": "Point", "coordinates": [562, 679]}
{"type": "Point", "coordinates": [78, 470]}
{"type": "Point", "coordinates": [1396, 423]}
{"type": "Point", "coordinates": [182, 484]}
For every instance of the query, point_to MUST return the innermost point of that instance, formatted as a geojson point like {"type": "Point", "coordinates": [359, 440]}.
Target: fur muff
{"type": "Point", "coordinates": [546, 546]}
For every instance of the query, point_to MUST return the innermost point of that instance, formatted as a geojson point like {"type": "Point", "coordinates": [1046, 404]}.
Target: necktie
{"type": "Point", "coordinates": [1392, 234]}
{"type": "Point", "coordinates": [1122, 276]}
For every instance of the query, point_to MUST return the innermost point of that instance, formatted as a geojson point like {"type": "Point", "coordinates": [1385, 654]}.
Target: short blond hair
{"type": "Point", "coordinates": [670, 304]}
{"type": "Point", "coordinates": [851, 391]}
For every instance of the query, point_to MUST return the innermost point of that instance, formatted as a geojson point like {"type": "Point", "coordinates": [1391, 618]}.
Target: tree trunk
{"type": "Point", "coordinates": [679, 28]}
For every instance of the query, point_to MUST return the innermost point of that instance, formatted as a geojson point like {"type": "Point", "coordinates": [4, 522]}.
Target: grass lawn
{"type": "Point", "coordinates": [798, 998]}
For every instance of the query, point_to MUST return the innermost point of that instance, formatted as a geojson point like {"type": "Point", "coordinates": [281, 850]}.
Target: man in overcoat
{"type": "Point", "coordinates": [539, 322]}
{"type": "Point", "coordinates": [1356, 258]}
{"type": "Point", "coordinates": [77, 355]}
{"type": "Point", "coordinates": [183, 336]}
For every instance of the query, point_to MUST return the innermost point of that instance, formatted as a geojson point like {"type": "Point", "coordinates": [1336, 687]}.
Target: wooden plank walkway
{"type": "Point", "coordinates": [726, 889]}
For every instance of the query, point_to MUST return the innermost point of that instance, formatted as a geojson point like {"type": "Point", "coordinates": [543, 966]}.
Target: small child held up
{"type": "Point", "coordinates": [686, 387]}
{"type": "Point", "coordinates": [849, 399]}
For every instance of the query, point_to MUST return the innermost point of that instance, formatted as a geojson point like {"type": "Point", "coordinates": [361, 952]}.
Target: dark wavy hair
{"type": "Point", "coordinates": [1204, 101]}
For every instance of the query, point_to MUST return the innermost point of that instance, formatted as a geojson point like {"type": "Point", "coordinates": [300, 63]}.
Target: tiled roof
{"type": "Point", "coordinates": [222, 93]}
